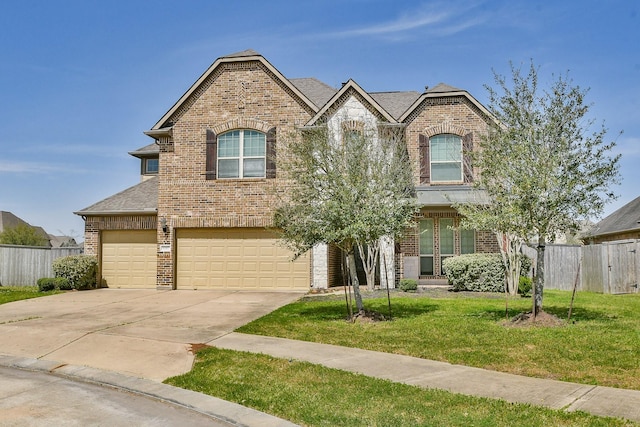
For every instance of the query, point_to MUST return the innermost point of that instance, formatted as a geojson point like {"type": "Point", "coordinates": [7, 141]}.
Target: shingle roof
{"type": "Point", "coordinates": [626, 218]}
{"type": "Point", "coordinates": [247, 52]}
{"type": "Point", "coordinates": [395, 103]}
{"type": "Point", "coordinates": [443, 88]}
{"type": "Point", "coordinates": [9, 220]}
{"type": "Point", "coordinates": [318, 92]}
{"type": "Point", "coordinates": [150, 150]}
{"type": "Point", "coordinates": [141, 198]}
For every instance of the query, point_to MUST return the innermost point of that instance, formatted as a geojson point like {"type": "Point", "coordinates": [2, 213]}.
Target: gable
{"type": "Point", "coordinates": [238, 62]}
{"type": "Point", "coordinates": [351, 90]}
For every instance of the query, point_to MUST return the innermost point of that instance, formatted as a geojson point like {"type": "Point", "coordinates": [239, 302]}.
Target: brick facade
{"type": "Point", "coordinates": [246, 92]}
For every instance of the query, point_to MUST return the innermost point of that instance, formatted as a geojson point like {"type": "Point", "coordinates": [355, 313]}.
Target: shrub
{"type": "Point", "coordinates": [51, 283]}
{"type": "Point", "coordinates": [476, 272]}
{"type": "Point", "coordinates": [408, 285]}
{"type": "Point", "coordinates": [79, 270]}
{"type": "Point", "coordinates": [524, 286]}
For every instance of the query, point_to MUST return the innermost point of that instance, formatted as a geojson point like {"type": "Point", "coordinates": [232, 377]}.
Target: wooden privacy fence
{"type": "Point", "coordinates": [24, 265]}
{"type": "Point", "coordinates": [610, 268]}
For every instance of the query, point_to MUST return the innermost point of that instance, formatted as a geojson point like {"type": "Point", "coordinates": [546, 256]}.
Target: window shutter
{"type": "Point", "coordinates": [467, 148]}
{"type": "Point", "coordinates": [212, 154]}
{"type": "Point", "coordinates": [423, 146]}
{"type": "Point", "coordinates": [271, 153]}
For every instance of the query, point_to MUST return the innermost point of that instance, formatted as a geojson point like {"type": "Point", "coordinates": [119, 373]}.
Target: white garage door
{"type": "Point", "coordinates": [129, 259]}
{"type": "Point", "coordinates": [237, 258]}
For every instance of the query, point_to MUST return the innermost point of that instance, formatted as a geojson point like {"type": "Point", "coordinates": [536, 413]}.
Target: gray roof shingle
{"type": "Point", "coordinates": [318, 92]}
{"type": "Point", "coordinates": [624, 219]}
{"type": "Point", "coordinates": [151, 150]}
{"type": "Point", "coordinates": [395, 103]}
{"type": "Point", "coordinates": [141, 198]}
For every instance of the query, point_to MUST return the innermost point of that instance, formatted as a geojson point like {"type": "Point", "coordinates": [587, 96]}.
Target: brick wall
{"type": "Point", "coordinates": [242, 95]}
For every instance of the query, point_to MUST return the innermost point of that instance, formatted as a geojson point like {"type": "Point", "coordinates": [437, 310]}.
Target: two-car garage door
{"type": "Point", "coordinates": [237, 258]}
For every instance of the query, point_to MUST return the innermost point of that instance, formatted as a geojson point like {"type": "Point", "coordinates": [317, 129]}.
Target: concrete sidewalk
{"type": "Point", "coordinates": [602, 401]}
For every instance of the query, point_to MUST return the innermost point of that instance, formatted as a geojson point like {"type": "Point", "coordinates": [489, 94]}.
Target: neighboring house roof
{"type": "Point", "coordinates": [625, 219]}
{"type": "Point", "coordinates": [62, 241]}
{"type": "Point", "coordinates": [151, 150]}
{"type": "Point", "coordinates": [139, 199]}
{"type": "Point", "coordinates": [318, 92]}
{"type": "Point", "coordinates": [396, 103]}
{"type": "Point", "coordinates": [9, 220]}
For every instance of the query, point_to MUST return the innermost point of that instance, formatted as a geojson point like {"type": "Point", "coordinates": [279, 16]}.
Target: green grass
{"type": "Point", "coordinates": [600, 346]}
{"type": "Point", "coordinates": [17, 293]}
{"type": "Point", "coordinates": [313, 395]}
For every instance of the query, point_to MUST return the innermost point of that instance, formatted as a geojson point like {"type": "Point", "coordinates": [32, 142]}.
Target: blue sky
{"type": "Point", "coordinates": [80, 80]}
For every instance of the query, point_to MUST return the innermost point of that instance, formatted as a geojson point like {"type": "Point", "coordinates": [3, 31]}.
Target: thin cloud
{"type": "Point", "coordinates": [440, 18]}
{"type": "Point", "coordinates": [10, 167]}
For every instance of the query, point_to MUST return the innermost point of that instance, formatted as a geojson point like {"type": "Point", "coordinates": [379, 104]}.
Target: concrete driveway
{"type": "Point", "coordinates": [143, 333]}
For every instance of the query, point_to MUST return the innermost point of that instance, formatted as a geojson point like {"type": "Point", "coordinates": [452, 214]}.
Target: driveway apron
{"type": "Point", "coordinates": [144, 333]}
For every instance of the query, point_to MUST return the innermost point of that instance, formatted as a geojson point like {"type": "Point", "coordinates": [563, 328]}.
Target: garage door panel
{"type": "Point", "coordinates": [239, 258]}
{"type": "Point", "coordinates": [129, 259]}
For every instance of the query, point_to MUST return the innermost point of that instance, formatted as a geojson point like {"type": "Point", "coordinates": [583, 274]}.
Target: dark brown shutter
{"type": "Point", "coordinates": [271, 153]}
{"type": "Point", "coordinates": [467, 149]}
{"type": "Point", "coordinates": [212, 154]}
{"type": "Point", "coordinates": [425, 170]}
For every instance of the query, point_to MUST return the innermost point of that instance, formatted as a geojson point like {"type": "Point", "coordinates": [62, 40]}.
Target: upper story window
{"type": "Point", "coordinates": [242, 154]}
{"type": "Point", "coordinates": [446, 158]}
{"type": "Point", "coordinates": [150, 166]}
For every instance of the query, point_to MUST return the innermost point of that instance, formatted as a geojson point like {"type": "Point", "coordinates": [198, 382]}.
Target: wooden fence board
{"type": "Point", "coordinates": [24, 265]}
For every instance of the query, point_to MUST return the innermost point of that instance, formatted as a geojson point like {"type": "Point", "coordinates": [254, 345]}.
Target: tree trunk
{"type": "Point", "coordinates": [369, 256]}
{"type": "Point", "coordinates": [354, 280]}
{"type": "Point", "coordinates": [538, 280]}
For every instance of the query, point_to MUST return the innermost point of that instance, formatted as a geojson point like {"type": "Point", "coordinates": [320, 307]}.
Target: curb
{"type": "Point", "coordinates": [218, 409]}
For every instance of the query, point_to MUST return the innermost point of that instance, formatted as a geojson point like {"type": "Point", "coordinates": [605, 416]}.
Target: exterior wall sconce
{"type": "Point", "coordinates": [163, 223]}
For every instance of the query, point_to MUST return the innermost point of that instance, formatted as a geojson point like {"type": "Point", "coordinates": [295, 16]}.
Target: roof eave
{"type": "Point", "coordinates": [148, 212]}
{"type": "Point", "coordinates": [165, 132]}
{"type": "Point", "coordinates": [609, 233]}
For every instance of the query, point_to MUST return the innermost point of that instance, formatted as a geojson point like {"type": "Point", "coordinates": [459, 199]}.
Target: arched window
{"type": "Point", "coordinates": [446, 158]}
{"type": "Point", "coordinates": [242, 154]}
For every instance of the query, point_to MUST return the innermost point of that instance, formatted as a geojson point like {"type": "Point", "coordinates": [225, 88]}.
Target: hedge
{"type": "Point", "coordinates": [475, 272]}
{"type": "Point", "coordinates": [79, 270]}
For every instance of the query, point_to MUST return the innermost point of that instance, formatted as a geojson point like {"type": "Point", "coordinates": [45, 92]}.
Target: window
{"type": "Point", "coordinates": [447, 240]}
{"type": "Point", "coordinates": [426, 247]}
{"type": "Point", "coordinates": [242, 154]}
{"type": "Point", "coordinates": [446, 158]}
{"type": "Point", "coordinates": [150, 166]}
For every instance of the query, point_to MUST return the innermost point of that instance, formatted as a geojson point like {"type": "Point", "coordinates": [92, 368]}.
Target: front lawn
{"type": "Point", "coordinates": [17, 293]}
{"type": "Point", "coordinates": [600, 346]}
{"type": "Point", "coordinates": [312, 395]}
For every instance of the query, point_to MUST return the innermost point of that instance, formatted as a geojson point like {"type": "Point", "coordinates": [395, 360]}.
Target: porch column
{"type": "Point", "coordinates": [319, 266]}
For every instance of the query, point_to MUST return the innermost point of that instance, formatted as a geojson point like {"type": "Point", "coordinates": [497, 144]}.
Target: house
{"type": "Point", "coordinates": [622, 224]}
{"type": "Point", "coordinates": [201, 214]}
{"type": "Point", "coordinates": [9, 220]}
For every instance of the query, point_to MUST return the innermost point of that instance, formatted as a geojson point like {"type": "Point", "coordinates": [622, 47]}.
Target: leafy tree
{"type": "Point", "coordinates": [349, 189]}
{"type": "Point", "coordinates": [23, 235]}
{"type": "Point", "coordinates": [542, 166]}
